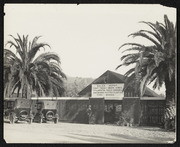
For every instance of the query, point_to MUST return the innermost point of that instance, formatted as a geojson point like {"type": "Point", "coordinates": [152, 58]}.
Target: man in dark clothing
{"type": "Point", "coordinates": [89, 112]}
{"type": "Point", "coordinates": [112, 113]}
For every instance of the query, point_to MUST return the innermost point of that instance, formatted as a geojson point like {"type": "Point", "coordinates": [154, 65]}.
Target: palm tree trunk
{"type": "Point", "coordinates": [170, 113]}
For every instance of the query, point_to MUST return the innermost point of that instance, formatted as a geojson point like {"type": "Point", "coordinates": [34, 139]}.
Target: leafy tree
{"type": "Point", "coordinates": [25, 73]}
{"type": "Point", "coordinates": [154, 63]}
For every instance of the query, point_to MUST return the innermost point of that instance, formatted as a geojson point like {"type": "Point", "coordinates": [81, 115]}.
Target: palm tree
{"type": "Point", "coordinates": [26, 74]}
{"type": "Point", "coordinates": [154, 63]}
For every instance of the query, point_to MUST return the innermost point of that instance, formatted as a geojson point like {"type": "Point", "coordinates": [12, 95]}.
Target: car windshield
{"type": "Point", "coordinates": [5, 105]}
{"type": "Point", "coordinates": [10, 104]}
{"type": "Point", "coordinates": [23, 103]}
{"type": "Point", "coordinates": [50, 104]}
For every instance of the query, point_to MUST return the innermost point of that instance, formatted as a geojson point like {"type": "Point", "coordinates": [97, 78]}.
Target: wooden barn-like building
{"type": "Point", "coordinates": [147, 110]}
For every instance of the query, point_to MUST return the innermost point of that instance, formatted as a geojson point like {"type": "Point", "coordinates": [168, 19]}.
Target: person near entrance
{"type": "Point", "coordinates": [89, 113]}
{"type": "Point", "coordinates": [112, 114]}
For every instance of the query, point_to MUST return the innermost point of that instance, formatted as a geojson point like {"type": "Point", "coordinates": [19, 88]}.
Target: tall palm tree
{"type": "Point", "coordinates": [154, 63]}
{"type": "Point", "coordinates": [26, 74]}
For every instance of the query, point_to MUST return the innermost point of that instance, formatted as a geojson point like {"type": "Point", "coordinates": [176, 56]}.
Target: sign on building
{"type": "Point", "coordinates": [107, 90]}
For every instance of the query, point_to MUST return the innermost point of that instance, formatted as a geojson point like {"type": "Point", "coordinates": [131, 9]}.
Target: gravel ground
{"type": "Point", "coordinates": [83, 133]}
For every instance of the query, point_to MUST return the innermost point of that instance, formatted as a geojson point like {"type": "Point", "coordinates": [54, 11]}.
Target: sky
{"type": "Point", "coordinates": [86, 37]}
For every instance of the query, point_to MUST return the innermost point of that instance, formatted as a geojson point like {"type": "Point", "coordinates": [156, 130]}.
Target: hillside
{"type": "Point", "coordinates": [73, 85]}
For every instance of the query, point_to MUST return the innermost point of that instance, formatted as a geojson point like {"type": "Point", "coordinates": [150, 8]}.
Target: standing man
{"type": "Point", "coordinates": [89, 113]}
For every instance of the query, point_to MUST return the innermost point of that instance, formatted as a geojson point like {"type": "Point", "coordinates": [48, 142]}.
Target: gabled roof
{"type": "Point", "coordinates": [112, 77]}
{"type": "Point", "coordinates": [150, 92]}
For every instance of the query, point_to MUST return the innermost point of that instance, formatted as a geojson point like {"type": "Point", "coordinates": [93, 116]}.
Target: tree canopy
{"type": "Point", "coordinates": [153, 63]}
{"type": "Point", "coordinates": [25, 72]}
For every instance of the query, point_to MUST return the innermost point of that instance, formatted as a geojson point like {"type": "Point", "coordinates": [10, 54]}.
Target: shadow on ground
{"type": "Point", "coordinates": [140, 140]}
{"type": "Point", "coordinates": [150, 129]}
{"type": "Point", "coordinates": [120, 138]}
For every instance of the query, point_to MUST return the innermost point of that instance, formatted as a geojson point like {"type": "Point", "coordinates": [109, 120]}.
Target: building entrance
{"type": "Point", "coordinates": [97, 110]}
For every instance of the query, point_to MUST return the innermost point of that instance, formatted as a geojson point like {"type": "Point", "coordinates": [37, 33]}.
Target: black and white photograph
{"type": "Point", "coordinates": [90, 73]}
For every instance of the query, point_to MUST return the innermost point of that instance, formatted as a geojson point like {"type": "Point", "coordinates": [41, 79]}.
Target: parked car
{"type": "Point", "coordinates": [18, 109]}
{"type": "Point", "coordinates": [46, 111]}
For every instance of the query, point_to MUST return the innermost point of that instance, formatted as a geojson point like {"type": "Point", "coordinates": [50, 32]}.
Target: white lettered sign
{"type": "Point", "coordinates": [107, 90]}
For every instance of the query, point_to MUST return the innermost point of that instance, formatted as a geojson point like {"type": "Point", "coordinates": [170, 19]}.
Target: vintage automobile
{"type": "Point", "coordinates": [18, 109]}
{"type": "Point", "coordinates": [46, 111]}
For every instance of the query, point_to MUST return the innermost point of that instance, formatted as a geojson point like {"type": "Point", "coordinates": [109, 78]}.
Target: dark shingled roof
{"type": "Point", "coordinates": [112, 77]}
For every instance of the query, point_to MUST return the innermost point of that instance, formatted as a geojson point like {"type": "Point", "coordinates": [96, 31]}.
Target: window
{"type": "Point", "coordinates": [105, 107]}
{"type": "Point", "coordinates": [118, 108]}
{"type": "Point", "coordinates": [127, 94]}
{"type": "Point", "coordinates": [39, 106]}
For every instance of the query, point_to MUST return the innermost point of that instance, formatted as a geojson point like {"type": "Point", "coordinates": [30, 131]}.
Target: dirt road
{"type": "Point", "coordinates": [83, 133]}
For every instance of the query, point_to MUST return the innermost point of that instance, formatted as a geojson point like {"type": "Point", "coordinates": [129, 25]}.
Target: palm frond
{"type": "Point", "coordinates": [57, 78]}
{"type": "Point", "coordinates": [43, 66]}
{"type": "Point", "coordinates": [131, 59]}
{"type": "Point", "coordinates": [167, 23]}
{"type": "Point", "coordinates": [18, 46]}
{"type": "Point", "coordinates": [129, 72]}
{"type": "Point", "coordinates": [22, 44]}
{"type": "Point", "coordinates": [134, 49]}
{"type": "Point", "coordinates": [55, 68]}
{"type": "Point", "coordinates": [119, 66]}
{"type": "Point", "coordinates": [152, 78]}
{"type": "Point", "coordinates": [152, 33]}
{"type": "Point", "coordinates": [152, 26]}
{"type": "Point", "coordinates": [47, 57]}
{"type": "Point", "coordinates": [11, 44]}
{"type": "Point", "coordinates": [156, 83]}
{"type": "Point", "coordinates": [147, 37]}
{"type": "Point", "coordinates": [132, 44]}
{"type": "Point", "coordinates": [130, 56]}
{"type": "Point", "coordinates": [35, 49]}
{"type": "Point", "coordinates": [9, 53]}
{"type": "Point", "coordinates": [34, 42]}
{"type": "Point", "coordinates": [162, 31]}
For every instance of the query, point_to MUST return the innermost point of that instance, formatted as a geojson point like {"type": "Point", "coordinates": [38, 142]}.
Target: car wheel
{"type": "Point", "coordinates": [16, 121]}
